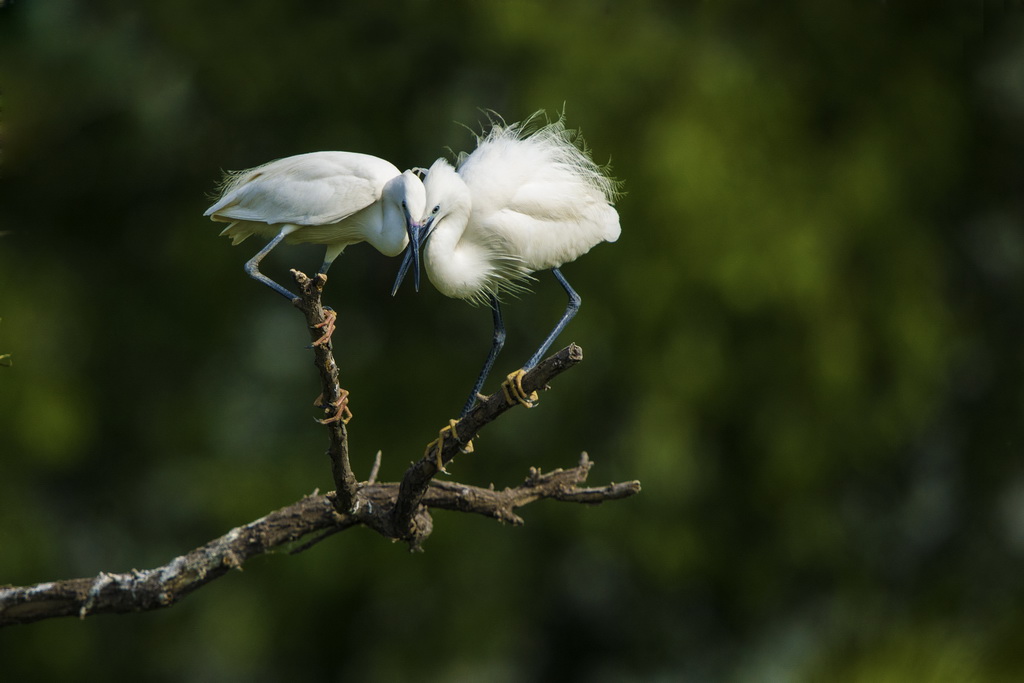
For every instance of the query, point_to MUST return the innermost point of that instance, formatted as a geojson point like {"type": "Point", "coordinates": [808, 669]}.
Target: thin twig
{"type": "Point", "coordinates": [375, 470]}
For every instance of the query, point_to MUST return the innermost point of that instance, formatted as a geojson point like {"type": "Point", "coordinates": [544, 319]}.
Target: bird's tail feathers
{"type": "Point", "coordinates": [238, 232]}
{"type": "Point", "coordinates": [233, 179]}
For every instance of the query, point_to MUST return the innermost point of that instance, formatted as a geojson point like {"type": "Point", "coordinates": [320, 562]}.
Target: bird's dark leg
{"type": "Point", "coordinates": [328, 260]}
{"type": "Point", "coordinates": [513, 385]}
{"type": "Point", "coordinates": [497, 342]}
{"type": "Point", "coordinates": [570, 311]}
{"type": "Point", "coordinates": [252, 266]}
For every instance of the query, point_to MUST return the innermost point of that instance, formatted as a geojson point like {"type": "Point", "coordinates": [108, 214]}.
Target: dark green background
{"type": "Point", "coordinates": [807, 343]}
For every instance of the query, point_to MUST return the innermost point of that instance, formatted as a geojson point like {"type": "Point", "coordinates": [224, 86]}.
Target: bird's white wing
{"type": "Point", "coordinates": [308, 189]}
{"type": "Point", "coordinates": [541, 194]}
{"type": "Point", "coordinates": [548, 231]}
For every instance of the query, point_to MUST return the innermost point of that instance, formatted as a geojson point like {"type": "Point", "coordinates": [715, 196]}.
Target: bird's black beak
{"type": "Point", "coordinates": [412, 255]}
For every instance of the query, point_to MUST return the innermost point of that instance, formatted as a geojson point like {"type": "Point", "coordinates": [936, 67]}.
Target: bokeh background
{"type": "Point", "coordinates": [807, 343]}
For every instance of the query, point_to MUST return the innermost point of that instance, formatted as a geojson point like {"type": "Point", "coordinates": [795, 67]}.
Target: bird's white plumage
{"type": "Point", "coordinates": [332, 198]}
{"type": "Point", "coordinates": [526, 199]}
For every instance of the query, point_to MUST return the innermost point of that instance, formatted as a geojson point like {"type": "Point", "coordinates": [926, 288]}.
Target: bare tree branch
{"type": "Point", "coordinates": [419, 474]}
{"type": "Point", "coordinates": [561, 485]}
{"type": "Point", "coordinates": [333, 398]}
{"type": "Point", "coordinates": [150, 589]}
{"type": "Point", "coordinates": [395, 510]}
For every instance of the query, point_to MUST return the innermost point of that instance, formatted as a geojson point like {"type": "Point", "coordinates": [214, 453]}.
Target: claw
{"type": "Point", "coordinates": [512, 387]}
{"type": "Point", "coordinates": [341, 409]}
{"type": "Point", "coordinates": [437, 444]}
{"type": "Point", "coordinates": [327, 326]}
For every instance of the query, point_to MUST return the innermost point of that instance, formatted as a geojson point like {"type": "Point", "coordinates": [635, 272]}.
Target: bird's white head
{"type": "Point", "coordinates": [403, 198]}
{"type": "Point", "coordinates": [446, 195]}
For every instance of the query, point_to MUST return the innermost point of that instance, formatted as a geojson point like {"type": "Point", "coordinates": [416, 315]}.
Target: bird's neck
{"type": "Point", "coordinates": [444, 240]}
{"type": "Point", "coordinates": [391, 236]}
{"type": "Point", "coordinates": [458, 267]}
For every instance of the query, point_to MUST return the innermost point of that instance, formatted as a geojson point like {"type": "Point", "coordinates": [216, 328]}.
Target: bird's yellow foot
{"type": "Point", "coordinates": [340, 409]}
{"type": "Point", "coordinates": [438, 444]}
{"type": "Point", "coordinates": [512, 387]}
{"type": "Point", "coordinates": [327, 326]}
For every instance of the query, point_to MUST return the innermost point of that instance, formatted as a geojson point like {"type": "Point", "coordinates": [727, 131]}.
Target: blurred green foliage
{"type": "Point", "coordinates": [806, 344]}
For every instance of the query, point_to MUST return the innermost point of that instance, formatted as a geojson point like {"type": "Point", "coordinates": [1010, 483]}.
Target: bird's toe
{"type": "Point", "coordinates": [437, 445]}
{"type": "Point", "coordinates": [335, 410]}
{"type": "Point", "coordinates": [327, 326]}
{"type": "Point", "coordinates": [512, 387]}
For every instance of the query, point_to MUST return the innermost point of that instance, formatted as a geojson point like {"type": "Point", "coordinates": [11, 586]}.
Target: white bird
{"type": "Point", "coordinates": [330, 198]}
{"type": "Point", "coordinates": [528, 198]}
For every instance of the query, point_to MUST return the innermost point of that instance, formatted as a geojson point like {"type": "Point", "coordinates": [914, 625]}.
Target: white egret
{"type": "Point", "coordinates": [528, 198]}
{"type": "Point", "coordinates": [330, 198]}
